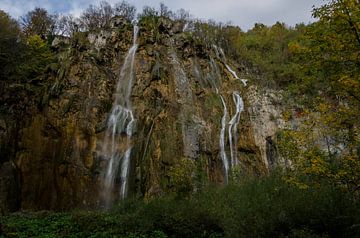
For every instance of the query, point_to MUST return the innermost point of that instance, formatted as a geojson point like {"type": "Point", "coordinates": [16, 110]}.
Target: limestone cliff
{"type": "Point", "coordinates": [58, 162]}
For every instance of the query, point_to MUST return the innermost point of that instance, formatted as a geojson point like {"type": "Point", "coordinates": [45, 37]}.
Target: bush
{"type": "Point", "coordinates": [267, 207]}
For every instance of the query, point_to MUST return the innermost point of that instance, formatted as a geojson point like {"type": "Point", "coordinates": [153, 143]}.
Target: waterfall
{"type": "Point", "coordinates": [117, 144]}
{"type": "Point", "coordinates": [222, 141]}
{"type": "Point", "coordinates": [221, 55]}
{"type": "Point", "coordinates": [244, 81]}
{"type": "Point", "coordinates": [212, 78]}
{"type": "Point", "coordinates": [233, 123]}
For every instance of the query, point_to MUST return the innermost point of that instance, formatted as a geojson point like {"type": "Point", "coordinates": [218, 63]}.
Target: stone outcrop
{"type": "Point", "coordinates": [58, 162]}
{"type": "Point", "coordinates": [266, 120]}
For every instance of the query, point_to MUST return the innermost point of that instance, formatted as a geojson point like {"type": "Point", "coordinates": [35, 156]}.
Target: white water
{"type": "Point", "coordinates": [223, 156]}
{"type": "Point", "coordinates": [222, 141]}
{"type": "Point", "coordinates": [188, 27]}
{"type": "Point", "coordinates": [244, 81]}
{"type": "Point", "coordinates": [233, 123]}
{"type": "Point", "coordinates": [117, 145]}
{"type": "Point", "coordinates": [220, 53]}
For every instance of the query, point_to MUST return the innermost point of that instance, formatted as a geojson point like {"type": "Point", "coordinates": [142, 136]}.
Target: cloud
{"type": "Point", "coordinates": [243, 13]}
{"type": "Point", "coordinates": [17, 8]}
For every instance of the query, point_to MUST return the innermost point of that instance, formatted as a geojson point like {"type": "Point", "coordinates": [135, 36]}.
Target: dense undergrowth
{"type": "Point", "coordinates": [267, 207]}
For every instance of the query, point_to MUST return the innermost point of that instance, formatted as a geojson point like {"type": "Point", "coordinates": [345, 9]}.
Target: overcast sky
{"type": "Point", "coordinates": [243, 13]}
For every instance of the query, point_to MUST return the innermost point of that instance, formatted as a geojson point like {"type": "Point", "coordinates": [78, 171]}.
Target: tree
{"type": "Point", "coordinates": [164, 11]}
{"type": "Point", "coordinates": [10, 46]}
{"type": "Point", "coordinates": [328, 54]}
{"type": "Point", "coordinates": [125, 10]}
{"type": "Point", "coordinates": [266, 49]}
{"type": "Point", "coordinates": [96, 17]}
{"type": "Point", "coordinates": [182, 14]}
{"type": "Point", "coordinates": [65, 25]}
{"type": "Point", "coordinates": [330, 50]}
{"type": "Point", "coordinates": [37, 56]}
{"type": "Point", "coordinates": [149, 12]}
{"type": "Point", "coordinates": [38, 22]}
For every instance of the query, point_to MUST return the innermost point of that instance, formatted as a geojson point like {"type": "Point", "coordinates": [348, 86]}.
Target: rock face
{"type": "Point", "coordinates": [266, 120]}
{"type": "Point", "coordinates": [58, 162]}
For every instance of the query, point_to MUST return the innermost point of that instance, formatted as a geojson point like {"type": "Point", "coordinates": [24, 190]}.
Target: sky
{"type": "Point", "coordinates": [243, 13]}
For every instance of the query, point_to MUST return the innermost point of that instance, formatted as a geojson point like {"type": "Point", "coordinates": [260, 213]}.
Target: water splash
{"type": "Point", "coordinates": [233, 123]}
{"type": "Point", "coordinates": [117, 145]}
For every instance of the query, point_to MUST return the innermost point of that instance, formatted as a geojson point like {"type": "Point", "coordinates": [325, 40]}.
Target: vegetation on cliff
{"type": "Point", "coordinates": [315, 67]}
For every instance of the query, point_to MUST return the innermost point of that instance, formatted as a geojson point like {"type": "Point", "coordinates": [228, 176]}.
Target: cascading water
{"type": "Point", "coordinates": [117, 145]}
{"type": "Point", "coordinates": [220, 53]}
{"type": "Point", "coordinates": [222, 141]}
{"type": "Point", "coordinates": [244, 81]}
{"type": "Point", "coordinates": [213, 82]}
{"type": "Point", "coordinates": [233, 123]}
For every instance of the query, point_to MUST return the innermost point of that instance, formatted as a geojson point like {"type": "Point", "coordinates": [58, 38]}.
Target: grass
{"type": "Point", "coordinates": [265, 207]}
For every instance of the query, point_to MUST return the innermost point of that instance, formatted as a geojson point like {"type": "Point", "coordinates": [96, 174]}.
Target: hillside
{"type": "Point", "coordinates": [111, 112]}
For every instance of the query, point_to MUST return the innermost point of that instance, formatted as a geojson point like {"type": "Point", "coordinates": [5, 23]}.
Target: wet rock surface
{"type": "Point", "coordinates": [177, 110]}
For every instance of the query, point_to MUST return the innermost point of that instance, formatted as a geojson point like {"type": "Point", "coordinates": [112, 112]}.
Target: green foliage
{"type": "Point", "coordinates": [266, 48]}
{"type": "Point", "coordinates": [328, 52]}
{"type": "Point", "coordinates": [36, 58]}
{"type": "Point", "coordinates": [182, 177]}
{"type": "Point", "coordinates": [327, 85]}
{"type": "Point", "coordinates": [23, 62]}
{"type": "Point", "coordinates": [266, 207]}
{"type": "Point", "coordinates": [10, 46]}
{"type": "Point", "coordinates": [318, 67]}
{"type": "Point", "coordinates": [38, 22]}
{"type": "Point", "coordinates": [150, 20]}
{"type": "Point", "coordinates": [45, 224]}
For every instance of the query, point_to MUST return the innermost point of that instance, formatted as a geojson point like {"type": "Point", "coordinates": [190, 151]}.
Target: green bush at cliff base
{"type": "Point", "coordinates": [267, 207]}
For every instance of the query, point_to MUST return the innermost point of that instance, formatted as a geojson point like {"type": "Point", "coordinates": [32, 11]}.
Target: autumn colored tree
{"type": "Point", "coordinates": [328, 85]}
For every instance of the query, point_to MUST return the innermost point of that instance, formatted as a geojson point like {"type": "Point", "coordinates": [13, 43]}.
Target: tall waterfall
{"type": "Point", "coordinates": [213, 82]}
{"type": "Point", "coordinates": [117, 145]}
{"type": "Point", "coordinates": [222, 141]}
{"type": "Point", "coordinates": [235, 119]}
{"type": "Point", "coordinates": [233, 123]}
